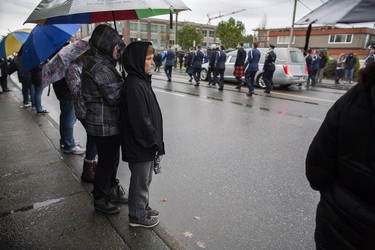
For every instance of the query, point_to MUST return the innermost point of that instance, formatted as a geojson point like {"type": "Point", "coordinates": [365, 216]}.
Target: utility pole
{"type": "Point", "coordinates": [292, 27]}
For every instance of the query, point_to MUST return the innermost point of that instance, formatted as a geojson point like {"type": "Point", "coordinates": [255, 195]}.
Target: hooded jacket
{"type": "Point", "coordinates": [340, 164]}
{"type": "Point", "coordinates": [141, 118]}
{"type": "Point", "coordinates": [102, 84]}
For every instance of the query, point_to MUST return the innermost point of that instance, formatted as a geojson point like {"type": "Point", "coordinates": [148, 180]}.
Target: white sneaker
{"type": "Point", "coordinates": [26, 105]}
{"type": "Point", "coordinates": [77, 150]}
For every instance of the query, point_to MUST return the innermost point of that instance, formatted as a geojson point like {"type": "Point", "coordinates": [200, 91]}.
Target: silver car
{"type": "Point", "coordinates": [290, 67]}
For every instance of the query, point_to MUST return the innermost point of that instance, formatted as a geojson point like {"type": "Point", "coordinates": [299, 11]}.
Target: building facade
{"type": "Point", "coordinates": [155, 30]}
{"type": "Point", "coordinates": [334, 40]}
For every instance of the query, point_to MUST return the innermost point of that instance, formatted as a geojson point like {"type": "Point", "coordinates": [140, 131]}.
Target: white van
{"type": "Point", "coordinates": [290, 67]}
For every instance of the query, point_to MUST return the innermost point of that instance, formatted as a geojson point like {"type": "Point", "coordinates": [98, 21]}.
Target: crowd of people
{"type": "Point", "coordinates": [118, 113]}
{"type": "Point", "coordinates": [122, 113]}
{"type": "Point", "coordinates": [245, 67]}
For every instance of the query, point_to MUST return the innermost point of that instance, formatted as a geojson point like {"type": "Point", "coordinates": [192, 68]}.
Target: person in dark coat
{"type": "Point", "coordinates": [269, 68]}
{"type": "Point", "coordinates": [252, 67]}
{"type": "Point", "coordinates": [211, 64]}
{"type": "Point", "coordinates": [4, 74]}
{"type": "Point", "coordinates": [350, 62]}
{"type": "Point", "coordinates": [197, 64]}
{"type": "Point", "coordinates": [340, 164]}
{"type": "Point", "coordinates": [189, 63]}
{"type": "Point", "coordinates": [142, 131]}
{"type": "Point", "coordinates": [101, 91]}
{"type": "Point", "coordinates": [239, 70]}
{"type": "Point", "coordinates": [220, 60]}
{"type": "Point", "coordinates": [157, 61]}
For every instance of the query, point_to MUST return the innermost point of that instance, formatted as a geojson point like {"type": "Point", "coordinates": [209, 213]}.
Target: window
{"type": "Point", "coordinates": [171, 42]}
{"type": "Point", "coordinates": [233, 59]}
{"type": "Point", "coordinates": [285, 39]}
{"type": "Point", "coordinates": [204, 33]}
{"type": "Point", "coordinates": [163, 29]}
{"type": "Point", "coordinates": [162, 44]}
{"type": "Point", "coordinates": [154, 42]}
{"type": "Point", "coordinates": [211, 33]}
{"type": "Point", "coordinates": [154, 28]}
{"type": "Point", "coordinates": [340, 38]}
{"type": "Point", "coordinates": [133, 39]}
{"type": "Point", "coordinates": [143, 27]}
{"type": "Point", "coordinates": [133, 26]}
{"type": "Point", "coordinates": [297, 57]}
{"type": "Point", "coordinates": [172, 31]}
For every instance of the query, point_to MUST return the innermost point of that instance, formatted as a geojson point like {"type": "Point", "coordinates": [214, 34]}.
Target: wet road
{"type": "Point", "coordinates": [233, 176]}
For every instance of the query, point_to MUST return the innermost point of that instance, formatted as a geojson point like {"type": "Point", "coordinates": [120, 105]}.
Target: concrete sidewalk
{"type": "Point", "coordinates": [43, 204]}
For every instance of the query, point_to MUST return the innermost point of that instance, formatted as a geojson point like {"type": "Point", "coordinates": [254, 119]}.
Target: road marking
{"type": "Point", "coordinates": [302, 97]}
{"type": "Point", "coordinates": [261, 91]}
{"type": "Point", "coordinates": [182, 95]}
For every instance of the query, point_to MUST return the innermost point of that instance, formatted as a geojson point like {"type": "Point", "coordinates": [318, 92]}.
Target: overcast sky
{"type": "Point", "coordinates": [278, 13]}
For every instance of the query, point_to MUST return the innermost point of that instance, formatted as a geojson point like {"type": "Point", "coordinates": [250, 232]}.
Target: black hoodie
{"type": "Point", "coordinates": [141, 118]}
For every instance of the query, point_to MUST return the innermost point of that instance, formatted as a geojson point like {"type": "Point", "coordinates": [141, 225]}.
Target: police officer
{"type": "Point", "coordinates": [269, 68]}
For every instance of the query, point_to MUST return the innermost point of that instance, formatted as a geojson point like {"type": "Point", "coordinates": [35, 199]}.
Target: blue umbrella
{"type": "Point", "coordinates": [44, 41]}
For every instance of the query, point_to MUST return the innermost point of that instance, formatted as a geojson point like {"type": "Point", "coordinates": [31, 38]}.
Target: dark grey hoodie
{"type": "Point", "coordinates": [102, 83]}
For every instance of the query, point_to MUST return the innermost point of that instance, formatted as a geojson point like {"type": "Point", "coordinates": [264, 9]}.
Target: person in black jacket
{"type": "Point", "coordinates": [142, 131]}
{"type": "Point", "coordinates": [239, 70]}
{"type": "Point", "coordinates": [4, 74]}
{"type": "Point", "coordinates": [269, 68]}
{"type": "Point", "coordinates": [340, 164]}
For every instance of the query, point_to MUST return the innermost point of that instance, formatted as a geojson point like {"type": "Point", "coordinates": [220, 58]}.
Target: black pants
{"type": "Point", "coordinates": [140, 181]}
{"type": "Point", "coordinates": [267, 78]}
{"type": "Point", "coordinates": [219, 81]}
{"type": "Point", "coordinates": [4, 83]}
{"type": "Point", "coordinates": [168, 71]}
{"type": "Point", "coordinates": [197, 74]}
{"type": "Point", "coordinates": [108, 148]}
{"type": "Point", "coordinates": [209, 74]}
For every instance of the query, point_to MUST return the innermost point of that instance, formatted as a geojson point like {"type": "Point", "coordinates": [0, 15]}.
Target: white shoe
{"type": "Point", "coordinates": [26, 105]}
{"type": "Point", "coordinates": [77, 150]}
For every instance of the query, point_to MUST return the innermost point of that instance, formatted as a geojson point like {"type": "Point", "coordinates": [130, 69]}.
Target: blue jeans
{"type": "Point", "coordinates": [38, 97]}
{"type": "Point", "coordinates": [349, 72]}
{"type": "Point", "coordinates": [27, 91]}
{"type": "Point", "coordinates": [90, 145]}
{"type": "Point", "coordinates": [67, 121]}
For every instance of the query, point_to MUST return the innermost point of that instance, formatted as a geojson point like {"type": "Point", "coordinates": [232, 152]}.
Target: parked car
{"type": "Point", "coordinates": [290, 67]}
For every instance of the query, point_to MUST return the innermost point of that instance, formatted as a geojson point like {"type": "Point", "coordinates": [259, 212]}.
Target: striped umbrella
{"type": "Point", "coordinates": [13, 42]}
{"type": "Point", "coordinates": [94, 11]}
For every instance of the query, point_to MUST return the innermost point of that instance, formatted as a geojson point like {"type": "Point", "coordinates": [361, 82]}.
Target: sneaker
{"type": "Point", "coordinates": [76, 143]}
{"type": "Point", "coordinates": [118, 194]}
{"type": "Point", "coordinates": [152, 213]}
{"type": "Point", "coordinates": [77, 150]}
{"type": "Point", "coordinates": [106, 207]}
{"type": "Point", "coordinates": [147, 223]}
{"type": "Point", "coordinates": [42, 112]}
{"type": "Point", "coordinates": [26, 105]}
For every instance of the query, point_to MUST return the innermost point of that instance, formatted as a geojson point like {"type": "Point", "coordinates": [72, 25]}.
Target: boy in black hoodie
{"type": "Point", "coordinates": [142, 131]}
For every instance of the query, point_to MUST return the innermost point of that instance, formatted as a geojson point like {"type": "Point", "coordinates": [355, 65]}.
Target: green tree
{"type": "Point", "coordinates": [230, 32]}
{"type": "Point", "coordinates": [187, 35]}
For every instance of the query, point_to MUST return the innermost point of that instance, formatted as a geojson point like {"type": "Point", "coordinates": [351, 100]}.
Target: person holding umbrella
{"type": "Point", "coordinates": [101, 91]}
